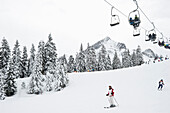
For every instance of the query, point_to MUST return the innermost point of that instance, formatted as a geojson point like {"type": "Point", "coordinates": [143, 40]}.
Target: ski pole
{"type": "Point", "coordinates": [116, 101]}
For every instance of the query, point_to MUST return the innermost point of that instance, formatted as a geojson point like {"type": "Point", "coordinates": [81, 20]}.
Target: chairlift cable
{"type": "Point", "coordinates": [140, 10]}
{"type": "Point", "coordinates": [115, 8]}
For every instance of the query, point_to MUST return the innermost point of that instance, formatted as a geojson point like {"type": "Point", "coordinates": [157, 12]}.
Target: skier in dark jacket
{"type": "Point", "coordinates": [161, 83]}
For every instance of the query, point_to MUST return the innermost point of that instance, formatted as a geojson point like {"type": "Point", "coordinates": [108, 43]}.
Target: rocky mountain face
{"type": "Point", "coordinates": [149, 53]}
{"type": "Point", "coordinates": [110, 45]}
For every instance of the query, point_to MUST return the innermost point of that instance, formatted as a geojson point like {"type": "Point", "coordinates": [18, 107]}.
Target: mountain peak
{"type": "Point", "coordinates": [106, 39]}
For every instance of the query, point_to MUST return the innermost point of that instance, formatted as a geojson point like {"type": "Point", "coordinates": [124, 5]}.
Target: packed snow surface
{"type": "Point", "coordinates": [135, 91]}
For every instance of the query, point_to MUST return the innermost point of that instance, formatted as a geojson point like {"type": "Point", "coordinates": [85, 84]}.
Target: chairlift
{"type": "Point", "coordinates": [136, 32]}
{"type": "Point", "coordinates": [134, 17]}
{"type": "Point", "coordinates": [167, 44]}
{"type": "Point", "coordinates": [146, 36]}
{"type": "Point", "coordinates": [114, 19]}
{"type": "Point", "coordinates": [152, 35]}
{"type": "Point", "coordinates": [161, 41]}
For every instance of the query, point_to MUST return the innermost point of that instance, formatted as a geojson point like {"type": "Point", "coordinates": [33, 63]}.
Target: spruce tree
{"type": "Point", "coordinates": [139, 56]}
{"type": "Point", "coordinates": [36, 83]}
{"type": "Point", "coordinates": [90, 58]}
{"type": "Point", "coordinates": [16, 60]}
{"type": "Point", "coordinates": [134, 58]}
{"type": "Point", "coordinates": [24, 63]}
{"type": "Point", "coordinates": [50, 55]}
{"type": "Point", "coordinates": [116, 64]}
{"type": "Point", "coordinates": [61, 78]}
{"type": "Point", "coordinates": [70, 65]}
{"type": "Point", "coordinates": [108, 63]}
{"type": "Point", "coordinates": [4, 60]}
{"type": "Point", "coordinates": [126, 59]}
{"type": "Point", "coordinates": [80, 65]}
{"type": "Point", "coordinates": [63, 61]}
{"type": "Point", "coordinates": [10, 86]}
{"type": "Point", "coordinates": [31, 60]}
{"type": "Point", "coordinates": [102, 58]}
{"type": "Point", "coordinates": [4, 54]}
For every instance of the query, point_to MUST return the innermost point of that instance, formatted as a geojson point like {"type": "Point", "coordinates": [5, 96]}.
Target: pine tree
{"type": "Point", "coordinates": [2, 92]}
{"type": "Point", "coordinates": [90, 58]}
{"type": "Point", "coordinates": [16, 60]}
{"type": "Point", "coordinates": [70, 65]}
{"type": "Point", "coordinates": [80, 65]}
{"type": "Point", "coordinates": [126, 59]}
{"type": "Point", "coordinates": [63, 61]}
{"type": "Point", "coordinates": [102, 58]}
{"type": "Point", "coordinates": [4, 60]}
{"type": "Point", "coordinates": [36, 85]}
{"type": "Point", "coordinates": [116, 64]}
{"type": "Point", "coordinates": [24, 63]}
{"type": "Point", "coordinates": [139, 56]}
{"type": "Point", "coordinates": [31, 60]}
{"type": "Point", "coordinates": [80, 62]}
{"type": "Point", "coordinates": [108, 63]}
{"type": "Point", "coordinates": [61, 77]}
{"type": "Point", "coordinates": [134, 58]}
{"type": "Point", "coordinates": [50, 55]}
{"type": "Point", "coordinates": [10, 86]}
{"type": "Point", "coordinates": [4, 54]}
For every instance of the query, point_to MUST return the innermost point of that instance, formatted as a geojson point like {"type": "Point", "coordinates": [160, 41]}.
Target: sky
{"type": "Point", "coordinates": [72, 22]}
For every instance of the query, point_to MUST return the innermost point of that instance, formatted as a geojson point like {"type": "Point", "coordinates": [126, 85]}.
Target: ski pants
{"type": "Point", "coordinates": [110, 99]}
{"type": "Point", "coordinates": [160, 86]}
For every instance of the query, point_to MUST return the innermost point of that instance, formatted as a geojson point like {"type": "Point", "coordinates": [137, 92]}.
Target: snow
{"type": "Point", "coordinates": [135, 91]}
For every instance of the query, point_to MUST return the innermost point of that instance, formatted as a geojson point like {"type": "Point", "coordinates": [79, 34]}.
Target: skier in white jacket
{"type": "Point", "coordinates": [110, 95]}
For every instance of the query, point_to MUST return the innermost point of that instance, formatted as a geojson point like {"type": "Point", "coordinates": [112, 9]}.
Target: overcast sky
{"type": "Point", "coordinates": [72, 22]}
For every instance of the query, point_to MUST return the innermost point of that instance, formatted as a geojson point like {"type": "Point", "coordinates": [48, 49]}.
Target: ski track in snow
{"type": "Point", "coordinates": [135, 91]}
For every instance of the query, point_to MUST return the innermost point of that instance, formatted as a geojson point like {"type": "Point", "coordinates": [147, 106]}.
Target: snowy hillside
{"type": "Point", "coordinates": [135, 91]}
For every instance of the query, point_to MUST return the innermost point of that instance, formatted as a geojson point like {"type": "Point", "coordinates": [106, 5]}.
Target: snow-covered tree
{"type": "Point", "coordinates": [102, 59]}
{"type": "Point", "coordinates": [108, 63]}
{"type": "Point", "coordinates": [126, 59]}
{"type": "Point", "coordinates": [50, 55]}
{"type": "Point", "coordinates": [24, 63]}
{"type": "Point", "coordinates": [36, 85]}
{"type": "Point", "coordinates": [4, 54]}
{"type": "Point", "coordinates": [139, 56]}
{"type": "Point", "coordinates": [16, 60]}
{"type": "Point", "coordinates": [31, 59]}
{"type": "Point", "coordinates": [90, 58]}
{"type": "Point", "coordinates": [80, 62]}
{"type": "Point", "coordinates": [134, 58]}
{"type": "Point", "coordinates": [10, 86]}
{"type": "Point", "coordinates": [61, 78]}
{"type": "Point", "coordinates": [4, 60]}
{"type": "Point", "coordinates": [116, 64]}
{"type": "Point", "coordinates": [63, 61]}
{"type": "Point", "coordinates": [70, 65]}
{"type": "Point", "coordinates": [2, 91]}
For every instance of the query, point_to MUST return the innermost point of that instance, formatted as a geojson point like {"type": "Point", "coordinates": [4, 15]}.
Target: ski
{"type": "Point", "coordinates": [109, 107]}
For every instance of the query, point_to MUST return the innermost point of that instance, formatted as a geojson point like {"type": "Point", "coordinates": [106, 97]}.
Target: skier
{"type": "Point", "coordinates": [161, 83]}
{"type": "Point", "coordinates": [110, 94]}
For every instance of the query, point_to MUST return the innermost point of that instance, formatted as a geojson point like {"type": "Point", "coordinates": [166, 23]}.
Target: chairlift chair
{"type": "Point", "coordinates": [161, 41]}
{"type": "Point", "coordinates": [134, 18]}
{"type": "Point", "coordinates": [146, 36]}
{"type": "Point", "coordinates": [136, 32]}
{"type": "Point", "coordinates": [114, 19]}
{"type": "Point", "coordinates": [167, 44]}
{"type": "Point", "coordinates": [152, 35]}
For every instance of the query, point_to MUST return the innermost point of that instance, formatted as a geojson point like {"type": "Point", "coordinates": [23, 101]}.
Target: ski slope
{"type": "Point", "coordinates": [135, 91]}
